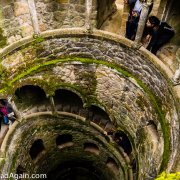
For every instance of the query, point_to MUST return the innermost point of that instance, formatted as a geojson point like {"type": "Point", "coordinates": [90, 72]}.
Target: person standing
{"type": "Point", "coordinates": [4, 113]}
{"type": "Point", "coordinates": [133, 18]}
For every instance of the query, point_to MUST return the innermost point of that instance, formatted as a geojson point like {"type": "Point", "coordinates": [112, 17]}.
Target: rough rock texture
{"type": "Point", "coordinates": [125, 83]}
{"type": "Point", "coordinates": [16, 21]}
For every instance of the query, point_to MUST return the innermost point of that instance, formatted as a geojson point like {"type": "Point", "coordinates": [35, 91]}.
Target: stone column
{"type": "Point", "coordinates": [88, 14]}
{"type": "Point", "coordinates": [14, 107]}
{"type": "Point", "coordinates": [124, 19]}
{"type": "Point", "coordinates": [32, 9]}
{"type": "Point", "coordinates": [52, 104]}
{"type": "Point", "coordinates": [142, 21]}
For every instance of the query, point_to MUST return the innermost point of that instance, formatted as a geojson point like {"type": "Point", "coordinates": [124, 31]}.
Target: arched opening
{"type": "Point", "coordinates": [153, 132]}
{"type": "Point", "coordinates": [92, 148]}
{"type": "Point", "coordinates": [79, 169]}
{"type": "Point", "coordinates": [111, 163]}
{"type": "Point", "coordinates": [123, 141]}
{"type": "Point", "coordinates": [68, 101]}
{"type": "Point", "coordinates": [100, 117]}
{"type": "Point", "coordinates": [152, 124]}
{"type": "Point", "coordinates": [36, 148]}
{"type": "Point", "coordinates": [29, 96]}
{"type": "Point", "coordinates": [64, 140]}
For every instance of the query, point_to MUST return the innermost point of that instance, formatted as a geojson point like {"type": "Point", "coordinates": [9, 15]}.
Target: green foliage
{"type": "Point", "coordinates": [3, 41]}
{"type": "Point", "coordinates": [172, 176]}
{"type": "Point", "coordinates": [38, 38]}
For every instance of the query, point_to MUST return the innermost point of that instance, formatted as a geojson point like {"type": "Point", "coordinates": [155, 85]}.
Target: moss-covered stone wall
{"type": "Point", "coordinates": [109, 74]}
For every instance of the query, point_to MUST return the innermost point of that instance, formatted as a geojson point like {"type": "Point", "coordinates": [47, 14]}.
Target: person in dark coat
{"type": "Point", "coordinates": [159, 32]}
{"type": "Point", "coordinates": [133, 18]}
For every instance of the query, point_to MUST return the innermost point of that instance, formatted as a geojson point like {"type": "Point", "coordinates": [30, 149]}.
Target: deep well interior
{"type": "Point", "coordinates": [88, 103]}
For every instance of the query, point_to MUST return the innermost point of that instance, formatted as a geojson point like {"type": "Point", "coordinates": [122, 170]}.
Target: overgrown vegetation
{"type": "Point", "coordinates": [172, 176]}
{"type": "Point", "coordinates": [3, 40]}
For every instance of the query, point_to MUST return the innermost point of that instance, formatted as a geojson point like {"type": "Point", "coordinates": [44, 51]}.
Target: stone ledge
{"type": "Point", "coordinates": [94, 33]}
{"type": "Point", "coordinates": [157, 62]}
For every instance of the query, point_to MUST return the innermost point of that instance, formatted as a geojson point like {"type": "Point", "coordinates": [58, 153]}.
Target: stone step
{"type": "Point", "coordinates": [103, 123]}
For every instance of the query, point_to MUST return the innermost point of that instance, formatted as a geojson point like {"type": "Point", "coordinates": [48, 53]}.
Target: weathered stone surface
{"type": "Point", "coordinates": [20, 8]}
{"type": "Point", "coordinates": [26, 30]}
{"type": "Point", "coordinates": [64, 14]}
{"type": "Point", "coordinates": [8, 12]}
{"type": "Point", "coordinates": [16, 21]}
{"type": "Point", "coordinates": [129, 105]}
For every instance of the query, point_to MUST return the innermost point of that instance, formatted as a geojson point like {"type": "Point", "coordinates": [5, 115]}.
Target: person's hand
{"type": "Point", "coordinates": [135, 14]}
{"type": "Point", "coordinates": [148, 37]}
{"type": "Point", "coordinates": [145, 40]}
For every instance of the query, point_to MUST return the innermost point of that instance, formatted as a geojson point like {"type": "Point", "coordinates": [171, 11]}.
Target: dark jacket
{"type": "Point", "coordinates": [160, 36]}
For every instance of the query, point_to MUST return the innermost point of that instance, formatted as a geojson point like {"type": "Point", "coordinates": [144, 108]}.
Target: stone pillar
{"type": "Point", "coordinates": [32, 9]}
{"type": "Point", "coordinates": [88, 14]}
{"type": "Point", "coordinates": [12, 103]}
{"type": "Point", "coordinates": [124, 19]}
{"type": "Point", "coordinates": [52, 104]}
{"type": "Point", "coordinates": [142, 21]}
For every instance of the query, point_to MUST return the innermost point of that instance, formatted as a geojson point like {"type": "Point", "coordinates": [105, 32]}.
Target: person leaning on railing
{"type": "Point", "coordinates": [159, 33]}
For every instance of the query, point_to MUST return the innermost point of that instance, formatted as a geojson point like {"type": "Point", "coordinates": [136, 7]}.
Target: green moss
{"type": "Point", "coordinates": [3, 40]}
{"type": "Point", "coordinates": [2, 162]}
{"type": "Point", "coordinates": [14, 161]}
{"type": "Point", "coordinates": [38, 38]}
{"type": "Point", "coordinates": [156, 102]}
{"type": "Point", "coordinates": [141, 102]}
{"type": "Point", "coordinates": [172, 176]}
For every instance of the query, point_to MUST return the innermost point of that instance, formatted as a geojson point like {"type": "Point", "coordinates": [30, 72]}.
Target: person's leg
{"type": "Point", "coordinates": [161, 41]}
{"type": "Point", "coordinates": [128, 30]}
{"type": "Point", "coordinates": [131, 28]}
{"type": "Point", "coordinates": [6, 120]}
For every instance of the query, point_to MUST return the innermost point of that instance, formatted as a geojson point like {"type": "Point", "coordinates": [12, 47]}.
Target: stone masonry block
{"type": "Point", "coordinates": [8, 12]}
{"type": "Point", "coordinates": [20, 8]}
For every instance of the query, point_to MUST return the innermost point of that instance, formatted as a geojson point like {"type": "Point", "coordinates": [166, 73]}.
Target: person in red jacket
{"type": "Point", "coordinates": [4, 113]}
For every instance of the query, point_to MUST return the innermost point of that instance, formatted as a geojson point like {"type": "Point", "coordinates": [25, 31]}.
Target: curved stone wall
{"type": "Point", "coordinates": [47, 128]}
{"type": "Point", "coordinates": [106, 72]}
